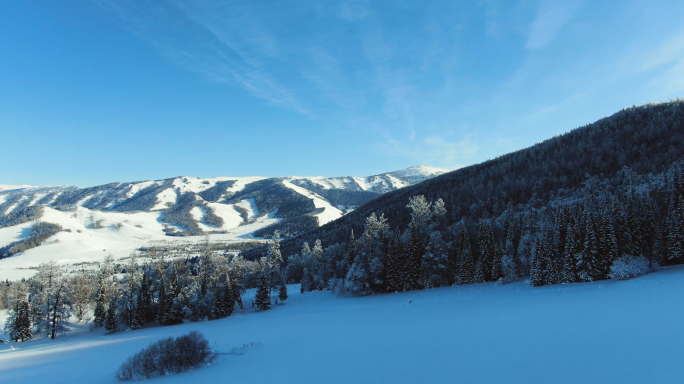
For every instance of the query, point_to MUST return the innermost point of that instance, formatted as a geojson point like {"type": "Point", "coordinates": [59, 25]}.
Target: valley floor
{"type": "Point", "coordinates": [602, 332]}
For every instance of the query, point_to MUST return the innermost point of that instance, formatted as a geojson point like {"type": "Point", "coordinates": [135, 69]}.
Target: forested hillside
{"type": "Point", "coordinates": [583, 199]}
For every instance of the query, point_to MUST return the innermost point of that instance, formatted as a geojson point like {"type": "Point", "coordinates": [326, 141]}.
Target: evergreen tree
{"type": "Point", "coordinates": [393, 270]}
{"type": "Point", "coordinates": [478, 277]}
{"type": "Point", "coordinates": [23, 322]}
{"type": "Point", "coordinates": [100, 302]}
{"type": "Point", "coordinates": [282, 293]}
{"type": "Point", "coordinates": [262, 300]}
{"type": "Point", "coordinates": [351, 256]}
{"type": "Point", "coordinates": [467, 269]}
{"type": "Point", "coordinates": [18, 323]}
{"type": "Point", "coordinates": [485, 242]}
{"type": "Point", "coordinates": [415, 255]}
{"type": "Point", "coordinates": [588, 259]}
{"type": "Point", "coordinates": [538, 259]}
{"type": "Point", "coordinates": [140, 313]}
{"type": "Point", "coordinates": [572, 249]}
{"type": "Point", "coordinates": [110, 322]}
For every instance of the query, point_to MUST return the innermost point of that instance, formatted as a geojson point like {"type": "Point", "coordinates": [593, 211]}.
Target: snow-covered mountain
{"type": "Point", "coordinates": [119, 217]}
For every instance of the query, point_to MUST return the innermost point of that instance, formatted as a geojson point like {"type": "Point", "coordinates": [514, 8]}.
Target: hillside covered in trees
{"type": "Point", "coordinates": [567, 209]}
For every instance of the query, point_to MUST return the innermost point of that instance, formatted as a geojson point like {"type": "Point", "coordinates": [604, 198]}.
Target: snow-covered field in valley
{"type": "Point", "coordinates": [601, 332]}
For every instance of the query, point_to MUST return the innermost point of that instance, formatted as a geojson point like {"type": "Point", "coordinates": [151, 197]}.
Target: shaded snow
{"type": "Point", "coordinates": [250, 206]}
{"type": "Point", "coordinates": [164, 198]}
{"type": "Point", "coordinates": [329, 213]}
{"type": "Point", "coordinates": [604, 332]}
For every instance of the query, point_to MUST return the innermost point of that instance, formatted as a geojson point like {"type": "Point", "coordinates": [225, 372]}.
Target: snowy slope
{"type": "Point", "coordinates": [329, 213]}
{"type": "Point", "coordinates": [5, 187]}
{"type": "Point", "coordinates": [604, 332]}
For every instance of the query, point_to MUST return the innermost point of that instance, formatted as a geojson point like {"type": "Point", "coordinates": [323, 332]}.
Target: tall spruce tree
{"type": "Point", "coordinates": [111, 321]}
{"type": "Point", "coordinates": [282, 293]}
{"type": "Point", "coordinates": [262, 299]}
{"type": "Point", "coordinates": [467, 269]}
{"type": "Point", "coordinates": [100, 301]}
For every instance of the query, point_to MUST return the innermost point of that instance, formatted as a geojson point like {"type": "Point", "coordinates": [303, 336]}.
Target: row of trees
{"type": "Point", "coordinates": [198, 288]}
{"type": "Point", "coordinates": [597, 232]}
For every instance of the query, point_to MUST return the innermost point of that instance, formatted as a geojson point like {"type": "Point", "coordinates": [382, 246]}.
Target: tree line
{"type": "Point", "coordinates": [135, 294]}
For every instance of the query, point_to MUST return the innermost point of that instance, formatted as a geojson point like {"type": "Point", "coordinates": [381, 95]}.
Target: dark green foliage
{"type": "Point", "coordinates": [179, 215]}
{"type": "Point", "coordinates": [20, 216]}
{"type": "Point", "coordinates": [645, 139]}
{"type": "Point", "coordinates": [262, 299]}
{"type": "Point", "coordinates": [219, 190]}
{"type": "Point", "coordinates": [18, 325]}
{"type": "Point", "coordinates": [414, 255]}
{"type": "Point", "coordinates": [168, 356]}
{"type": "Point", "coordinates": [100, 314]}
{"type": "Point", "coordinates": [271, 194]}
{"type": "Point", "coordinates": [111, 324]}
{"type": "Point", "coordinates": [282, 293]}
{"type": "Point", "coordinates": [140, 312]}
{"type": "Point", "coordinates": [290, 227]}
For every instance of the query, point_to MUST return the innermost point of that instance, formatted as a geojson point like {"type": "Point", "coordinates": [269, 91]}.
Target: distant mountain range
{"type": "Point", "coordinates": [192, 206]}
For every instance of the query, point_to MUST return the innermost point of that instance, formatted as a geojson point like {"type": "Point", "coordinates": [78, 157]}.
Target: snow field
{"type": "Point", "coordinates": [601, 332]}
{"type": "Point", "coordinates": [329, 213]}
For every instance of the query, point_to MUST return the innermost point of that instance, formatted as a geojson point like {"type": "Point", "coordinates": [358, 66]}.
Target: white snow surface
{"type": "Point", "coordinates": [5, 187]}
{"type": "Point", "coordinates": [165, 197]}
{"type": "Point", "coordinates": [603, 332]}
{"type": "Point", "coordinates": [250, 206]}
{"type": "Point", "coordinates": [329, 213]}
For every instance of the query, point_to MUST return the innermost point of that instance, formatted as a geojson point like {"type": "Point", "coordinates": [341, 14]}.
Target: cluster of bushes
{"type": "Point", "coordinates": [170, 355]}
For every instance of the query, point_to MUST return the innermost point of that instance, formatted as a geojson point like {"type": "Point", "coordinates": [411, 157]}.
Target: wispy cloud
{"type": "Point", "coordinates": [224, 43]}
{"type": "Point", "coordinates": [551, 17]}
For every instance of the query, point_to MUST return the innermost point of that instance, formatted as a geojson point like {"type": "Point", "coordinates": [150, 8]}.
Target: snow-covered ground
{"type": "Point", "coordinates": [602, 332]}
{"type": "Point", "coordinates": [329, 213]}
{"type": "Point", "coordinates": [5, 187]}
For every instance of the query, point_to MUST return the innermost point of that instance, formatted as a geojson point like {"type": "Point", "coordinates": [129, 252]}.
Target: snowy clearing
{"type": "Point", "coordinates": [602, 332]}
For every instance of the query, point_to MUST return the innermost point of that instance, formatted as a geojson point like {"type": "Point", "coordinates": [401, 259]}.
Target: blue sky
{"type": "Point", "coordinates": [99, 91]}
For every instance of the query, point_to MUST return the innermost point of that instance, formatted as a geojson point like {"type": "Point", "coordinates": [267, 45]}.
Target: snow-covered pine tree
{"type": "Point", "coordinates": [262, 299]}
{"type": "Point", "coordinates": [454, 260]}
{"type": "Point", "coordinates": [414, 253]}
{"type": "Point", "coordinates": [140, 312]}
{"type": "Point", "coordinates": [358, 279]}
{"type": "Point", "coordinates": [607, 244]}
{"type": "Point", "coordinates": [111, 321]}
{"type": "Point", "coordinates": [675, 231]}
{"type": "Point", "coordinates": [478, 277]}
{"type": "Point", "coordinates": [24, 322]}
{"type": "Point", "coordinates": [100, 301]}
{"type": "Point", "coordinates": [496, 263]}
{"type": "Point", "coordinates": [485, 242]}
{"type": "Point", "coordinates": [392, 267]}
{"type": "Point", "coordinates": [537, 268]}
{"type": "Point", "coordinates": [351, 256]}
{"type": "Point", "coordinates": [18, 322]}
{"type": "Point", "coordinates": [588, 258]}
{"type": "Point", "coordinates": [275, 259]}
{"type": "Point", "coordinates": [467, 268]}
{"type": "Point", "coordinates": [553, 268]}
{"type": "Point", "coordinates": [282, 293]}
{"type": "Point", "coordinates": [572, 249]}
